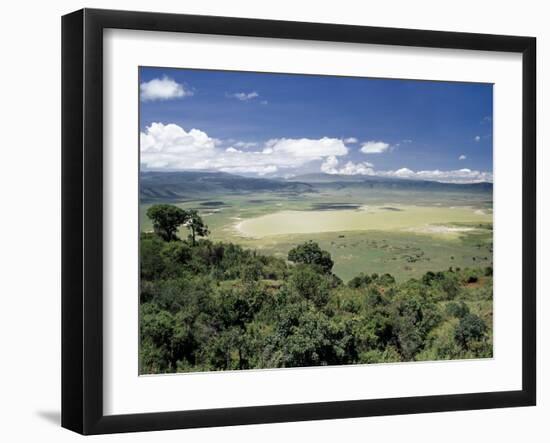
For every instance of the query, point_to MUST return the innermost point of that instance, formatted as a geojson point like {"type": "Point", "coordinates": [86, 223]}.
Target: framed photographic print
{"type": "Point", "coordinates": [269, 221]}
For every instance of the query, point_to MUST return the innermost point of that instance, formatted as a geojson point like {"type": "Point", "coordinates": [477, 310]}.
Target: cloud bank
{"type": "Point", "coordinates": [456, 176]}
{"type": "Point", "coordinates": [332, 166]}
{"type": "Point", "coordinates": [172, 147]}
{"type": "Point", "coordinates": [374, 147]}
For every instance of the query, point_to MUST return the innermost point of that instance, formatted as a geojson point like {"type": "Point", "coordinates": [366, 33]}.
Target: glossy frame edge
{"type": "Point", "coordinates": [82, 219]}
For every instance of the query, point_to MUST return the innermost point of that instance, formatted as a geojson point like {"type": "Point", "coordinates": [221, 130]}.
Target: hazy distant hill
{"type": "Point", "coordinates": [372, 181]}
{"type": "Point", "coordinates": [187, 185]}
{"type": "Point", "coordinates": [182, 185]}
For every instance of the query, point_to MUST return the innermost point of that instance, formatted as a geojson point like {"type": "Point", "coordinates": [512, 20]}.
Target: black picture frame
{"type": "Point", "coordinates": [82, 218]}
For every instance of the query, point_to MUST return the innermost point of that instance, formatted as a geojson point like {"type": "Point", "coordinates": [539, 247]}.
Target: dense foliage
{"type": "Point", "coordinates": [167, 219]}
{"type": "Point", "coordinates": [217, 306]}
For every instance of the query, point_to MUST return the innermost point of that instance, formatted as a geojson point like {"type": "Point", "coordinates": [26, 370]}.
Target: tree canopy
{"type": "Point", "coordinates": [214, 306]}
{"type": "Point", "coordinates": [194, 222]}
{"type": "Point", "coordinates": [168, 218]}
{"type": "Point", "coordinates": [310, 253]}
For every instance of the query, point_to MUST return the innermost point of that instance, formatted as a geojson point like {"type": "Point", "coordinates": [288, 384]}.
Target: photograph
{"type": "Point", "coordinates": [300, 220]}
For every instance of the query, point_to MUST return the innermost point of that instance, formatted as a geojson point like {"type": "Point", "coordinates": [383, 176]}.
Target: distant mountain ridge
{"type": "Point", "coordinates": [392, 182]}
{"type": "Point", "coordinates": [177, 185]}
{"type": "Point", "coordinates": [186, 185]}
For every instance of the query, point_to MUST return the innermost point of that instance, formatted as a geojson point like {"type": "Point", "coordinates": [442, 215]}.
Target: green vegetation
{"type": "Point", "coordinates": [310, 253]}
{"type": "Point", "coordinates": [168, 218]}
{"type": "Point", "coordinates": [215, 305]}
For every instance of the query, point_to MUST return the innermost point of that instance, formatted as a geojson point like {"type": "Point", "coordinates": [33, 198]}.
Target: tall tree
{"type": "Point", "coordinates": [195, 223]}
{"type": "Point", "coordinates": [166, 220]}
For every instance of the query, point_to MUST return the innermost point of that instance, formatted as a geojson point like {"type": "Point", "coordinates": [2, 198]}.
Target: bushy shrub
{"type": "Point", "coordinates": [310, 284]}
{"type": "Point", "coordinates": [458, 310]}
{"type": "Point", "coordinates": [360, 281]}
{"type": "Point", "coordinates": [310, 253]}
{"type": "Point", "coordinates": [470, 329]}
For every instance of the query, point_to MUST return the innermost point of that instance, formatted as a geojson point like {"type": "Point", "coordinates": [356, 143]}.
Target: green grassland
{"type": "Point", "coordinates": [403, 232]}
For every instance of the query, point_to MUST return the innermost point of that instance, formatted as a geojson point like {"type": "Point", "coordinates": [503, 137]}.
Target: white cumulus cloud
{"type": "Point", "coordinates": [172, 147]}
{"type": "Point", "coordinates": [477, 138]}
{"type": "Point", "coordinates": [331, 166]}
{"type": "Point", "coordinates": [350, 140]}
{"type": "Point", "coordinates": [168, 146]}
{"type": "Point", "coordinates": [162, 89]}
{"type": "Point", "coordinates": [244, 96]}
{"type": "Point", "coordinates": [462, 157]}
{"type": "Point", "coordinates": [374, 147]}
{"type": "Point", "coordinates": [246, 145]}
{"type": "Point", "coordinates": [403, 172]}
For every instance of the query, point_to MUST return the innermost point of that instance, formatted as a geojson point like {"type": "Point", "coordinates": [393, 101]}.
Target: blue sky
{"type": "Point", "coordinates": [284, 125]}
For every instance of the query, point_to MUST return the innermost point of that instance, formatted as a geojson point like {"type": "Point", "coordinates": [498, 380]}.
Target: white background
{"type": "Point", "coordinates": [30, 223]}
